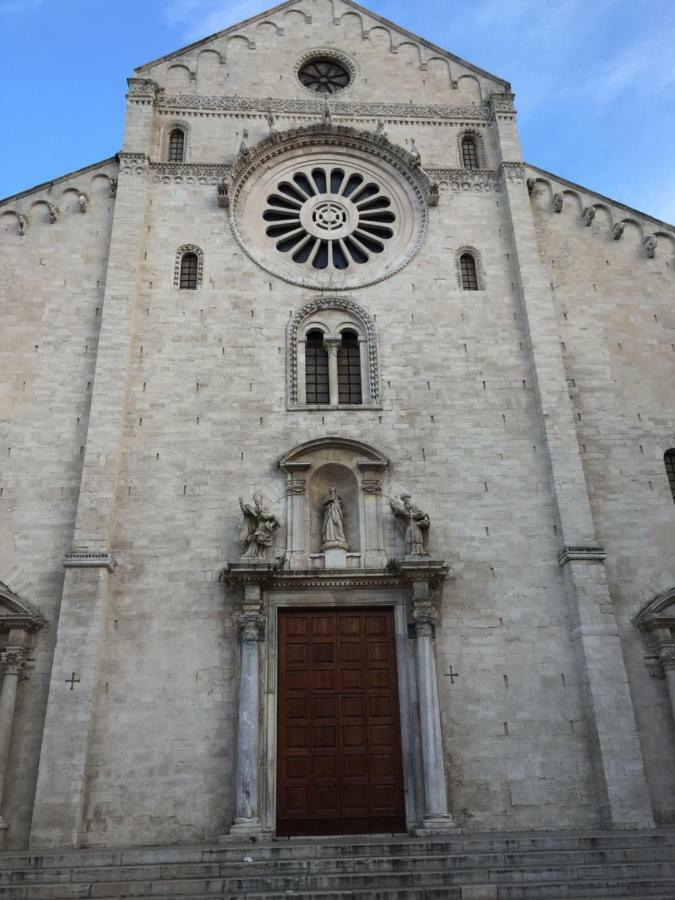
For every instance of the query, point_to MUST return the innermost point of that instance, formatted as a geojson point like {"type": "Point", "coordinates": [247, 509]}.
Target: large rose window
{"type": "Point", "coordinates": [329, 217]}
{"type": "Point", "coordinates": [337, 211]}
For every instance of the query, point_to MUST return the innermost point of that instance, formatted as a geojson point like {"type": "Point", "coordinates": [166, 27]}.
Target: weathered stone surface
{"type": "Point", "coordinates": [528, 418]}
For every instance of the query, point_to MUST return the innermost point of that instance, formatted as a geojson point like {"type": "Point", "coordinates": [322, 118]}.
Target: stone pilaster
{"type": "Point", "coordinates": [617, 758]}
{"type": "Point", "coordinates": [374, 553]}
{"type": "Point", "coordinates": [296, 485]}
{"type": "Point", "coordinates": [62, 777]}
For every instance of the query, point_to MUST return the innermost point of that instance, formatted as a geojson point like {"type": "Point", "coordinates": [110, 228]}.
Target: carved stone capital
{"type": "Point", "coordinates": [424, 619]}
{"type": "Point", "coordinates": [13, 660]}
{"type": "Point", "coordinates": [143, 90]}
{"type": "Point", "coordinates": [295, 484]}
{"type": "Point", "coordinates": [251, 625]}
{"type": "Point", "coordinates": [667, 656]}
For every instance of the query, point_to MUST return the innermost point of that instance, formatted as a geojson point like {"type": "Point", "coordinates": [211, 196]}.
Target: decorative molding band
{"type": "Point", "coordinates": [132, 163]}
{"type": "Point", "coordinates": [187, 173]}
{"type": "Point", "coordinates": [265, 105]}
{"type": "Point", "coordinates": [83, 560]}
{"type": "Point", "coordinates": [476, 180]}
{"type": "Point", "coordinates": [594, 554]}
{"type": "Point", "coordinates": [271, 577]}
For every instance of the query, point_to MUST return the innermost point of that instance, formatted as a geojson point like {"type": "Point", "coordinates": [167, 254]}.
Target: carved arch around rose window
{"type": "Point", "coordinates": [340, 321]}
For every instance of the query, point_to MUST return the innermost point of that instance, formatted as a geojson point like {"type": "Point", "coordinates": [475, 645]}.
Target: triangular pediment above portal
{"type": "Point", "coordinates": [262, 56]}
{"type": "Point", "coordinates": [16, 612]}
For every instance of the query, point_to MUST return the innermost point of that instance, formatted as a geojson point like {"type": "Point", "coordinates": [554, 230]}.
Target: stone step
{"type": "Point", "coordinates": [367, 847]}
{"type": "Point", "coordinates": [510, 882]}
{"type": "Point", "coordinates": [530, 860]}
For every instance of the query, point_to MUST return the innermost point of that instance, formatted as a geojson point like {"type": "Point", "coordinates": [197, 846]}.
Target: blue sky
{"type": "Point", "coordinates": [594, 79]}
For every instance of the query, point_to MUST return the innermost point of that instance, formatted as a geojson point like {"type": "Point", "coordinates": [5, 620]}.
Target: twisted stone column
{"type": "Point", "coordinates": [12, 662]}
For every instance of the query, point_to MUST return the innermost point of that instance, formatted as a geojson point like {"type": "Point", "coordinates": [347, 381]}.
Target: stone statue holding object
{"type": "Point", "coordinates": [333, 529]}
{"type": "Point", "coordinates": [258, 529]}
{"type": "Point", "coordinates": [417, 524]}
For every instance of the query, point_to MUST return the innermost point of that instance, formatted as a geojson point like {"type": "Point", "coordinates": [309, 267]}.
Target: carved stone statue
{"type": "Point", "coordinates": [326, 115]}
{"type": "Point", "coordinates": [650, 245]}
{"type": "Point", "coordinates": [22, 223]}
{"type": "Point", "coordinates": [83, 202]}
{"type": "Point", "coordinates": [617, 230]}
{"type": "Point", "coordinates": [258, 529]}
{"type": "Point", "coordinates": [53, 213]}
{"type": "Point", "coordinates": [244, 149]}
{"type": "Point", "coordinates": [558, 201]}
{"type": "Point", "coordinates": [333, 529]}
{"type": "Point", "coordinates": [415, 153]}
{"type": "Point", "coordinates": [416, 521]}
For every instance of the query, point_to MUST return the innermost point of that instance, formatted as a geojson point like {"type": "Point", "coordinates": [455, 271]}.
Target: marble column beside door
{"type": "Point", "coordinates": [12, 662]}
{"type": "Point", "coordinates": [436, 812]}
{"type": "Point", "coordinates": [251, 627]}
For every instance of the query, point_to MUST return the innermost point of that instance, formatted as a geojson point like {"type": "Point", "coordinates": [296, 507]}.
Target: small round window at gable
{"type": "Point", "coordinates": [324, 75]}
{"type": "Point", "coordinates": [326, 217]}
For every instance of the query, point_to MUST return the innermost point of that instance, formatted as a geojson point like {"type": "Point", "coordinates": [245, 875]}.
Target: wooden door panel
{"type": "Point", "coordinates": [339, 750]}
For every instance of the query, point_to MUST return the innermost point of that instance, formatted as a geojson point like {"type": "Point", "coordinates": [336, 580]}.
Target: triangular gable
{"type": "Point", "coordinates": [15, 612]}
{"type": "Point", "coordinates": [500, 83]}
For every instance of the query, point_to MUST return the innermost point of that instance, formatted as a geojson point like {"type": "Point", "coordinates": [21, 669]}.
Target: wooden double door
{"type": "Point", "coordinates": [339, 768]}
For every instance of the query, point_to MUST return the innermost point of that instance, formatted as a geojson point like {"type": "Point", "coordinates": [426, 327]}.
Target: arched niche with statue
{"type": "Point", "coordinates": [334, 505]}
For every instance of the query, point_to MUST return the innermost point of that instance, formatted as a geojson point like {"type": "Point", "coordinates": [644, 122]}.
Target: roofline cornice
{"type": "Point", "coordinates": [60, 178]}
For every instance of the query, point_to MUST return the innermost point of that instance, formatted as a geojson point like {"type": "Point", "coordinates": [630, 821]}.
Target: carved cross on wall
{"type": "Point", "coordinates": [72, 681]}
{"type": "Point", "coordinates": [451, 675]}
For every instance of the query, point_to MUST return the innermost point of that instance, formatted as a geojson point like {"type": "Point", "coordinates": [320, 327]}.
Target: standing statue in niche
{"type": "Point", "coordinates": [259, 527]}
{"type": "Point", "coordinates": [333, 528]}
{"type": "Point", "coordinates": [416, 521]}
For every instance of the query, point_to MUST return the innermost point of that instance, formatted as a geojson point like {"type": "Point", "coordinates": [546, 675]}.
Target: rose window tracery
{"type": "Point", "coordinates": [324, 75]}
{"type": "Point", "coordinates": [329, 217]}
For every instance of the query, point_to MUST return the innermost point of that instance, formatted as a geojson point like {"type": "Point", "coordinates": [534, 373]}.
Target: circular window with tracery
{"type": "Point", "coordinates": [329, 217]}
{"type": "Point", "coordinates": [324, 216]}
{"type": "Point", "coordinates": [324, 75]}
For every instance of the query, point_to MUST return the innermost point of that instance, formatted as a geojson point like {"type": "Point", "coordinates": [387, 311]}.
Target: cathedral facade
{"type": "Point", "coordinates": [338, 474]}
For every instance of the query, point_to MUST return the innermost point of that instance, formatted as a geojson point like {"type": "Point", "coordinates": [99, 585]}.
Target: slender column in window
{"type": "Point", "coordinates": [366, 396]}
{"type": "Point", "coordinates": [332, 346]}
{"type": "Point", "coordinates": [349, 369]}
{"type": "Point", "coordinates": [316, 369]}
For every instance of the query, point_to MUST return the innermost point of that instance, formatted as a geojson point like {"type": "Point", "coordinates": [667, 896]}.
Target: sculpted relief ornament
{"type": "Point", "coordinates": [258, 529]}
{"type": "Point", "coordinates": [333, 529]}
{"type": "Point", "coordinates": [416, 523]}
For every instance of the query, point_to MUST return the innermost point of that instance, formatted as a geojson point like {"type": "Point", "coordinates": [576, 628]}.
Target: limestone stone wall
{"type": "Point", "coordinates": [206, 422]}
{"type": "Point", "coordinates": [51, 287]}
{"type": "Point", "coordinates": [617, 332]}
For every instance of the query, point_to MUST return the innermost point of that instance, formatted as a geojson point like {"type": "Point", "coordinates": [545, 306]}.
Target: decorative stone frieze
{"type": "Point", "coordinates": [132, 163]}
{"type": "Point", "coordinates": [473, 180]}
{"type": "Point", "coordinates": [188, 173]}
{"type": "Point", "coordinates": [142, 91]}
{"type": "Point", "coordinates": [390, 111]}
